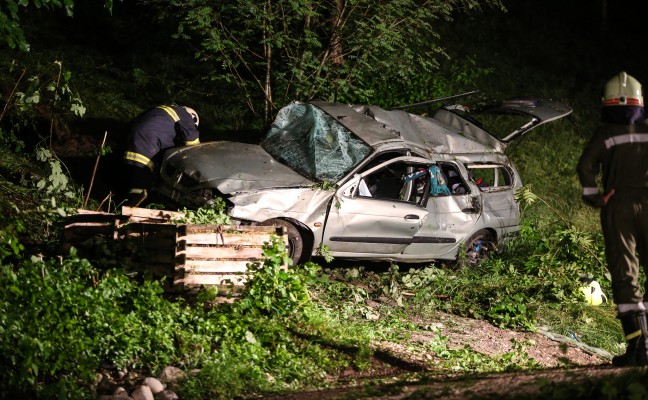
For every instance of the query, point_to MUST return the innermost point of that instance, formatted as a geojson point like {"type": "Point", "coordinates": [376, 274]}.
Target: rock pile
{"type": "Point", "coordinates": [149, 388]}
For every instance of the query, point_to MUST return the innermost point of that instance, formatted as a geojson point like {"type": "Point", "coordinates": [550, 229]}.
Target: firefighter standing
{"type": "Point", "coordinates": [151, 133]}
{"type": "Point", "coordinates": [619, 149]}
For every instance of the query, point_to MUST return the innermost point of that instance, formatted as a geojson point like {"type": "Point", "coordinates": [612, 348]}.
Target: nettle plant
{"type": "Point", "coordinates": [40, 101]}
{"type": "Point", "coordinates": [44, 95]}
{"type": "Point", "coordinates": [214, 214]}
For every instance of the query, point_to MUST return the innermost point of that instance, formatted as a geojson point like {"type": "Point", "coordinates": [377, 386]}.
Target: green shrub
{"type": "Point", "coordinates": [62, 318]}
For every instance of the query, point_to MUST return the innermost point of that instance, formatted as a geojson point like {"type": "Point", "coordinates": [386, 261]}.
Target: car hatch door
{"type": "Point", "coordinates": [514, 117]}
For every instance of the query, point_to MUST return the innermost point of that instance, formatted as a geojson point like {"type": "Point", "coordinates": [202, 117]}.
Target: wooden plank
{"type": "Point", "coordinates": [234, 229]}
{"type": "Point", "coordinates": [189, 255]}
{"type": "Point", "coordinates": [247, 239]}
{"type": "Point", "coordinates": [89, 229]}
{"type": "Point", "coordinates": [222, 253]}
{"type": "Point", "coordinates": [216, 267]}
{"type": "Point", "coordinates": [136, 213]}
{"type": "Point", "coordinates": [168, 230]}
{"type": "Point", "coordinates": [95, 218]}
{"type": "Point", "coordinates": [196, 279]}
{"type": "Point", "coordinates": [154, 243]}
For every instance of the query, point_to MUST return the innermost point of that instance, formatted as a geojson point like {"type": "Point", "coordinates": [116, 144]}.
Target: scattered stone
{"type": "Point", "coordinates": [167, 395]}
{"type": "Point", "coordinates": [142, 392]}
{"type": "Point", "coordinates": [150, 388]}
{"type": "Point", "coordinates": [155, 385]}
{"type": "Point", "coordinates": [102, 383]}
{"type": "Point", "coordinates": [120, 391]}
{"type": "Point", "coordinates": [171, 374]}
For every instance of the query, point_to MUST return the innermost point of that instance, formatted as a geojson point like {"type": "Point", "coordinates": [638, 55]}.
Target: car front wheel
{"type": "Point", "coordinates": [295, 239]}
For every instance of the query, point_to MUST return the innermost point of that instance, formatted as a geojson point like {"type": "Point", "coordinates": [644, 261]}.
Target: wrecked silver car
{"type": "Point", "coordinates": [367, 183]}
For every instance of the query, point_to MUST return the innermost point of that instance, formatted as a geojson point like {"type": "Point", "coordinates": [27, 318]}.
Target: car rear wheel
{"type": "Point", "coordinates": [478, 248]}
{"type": "Point", "coordinates": [295, 239]}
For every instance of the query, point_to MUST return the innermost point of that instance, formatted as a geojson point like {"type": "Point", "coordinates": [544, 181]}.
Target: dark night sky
{"type": "Point", "coordinates": [607, 41]}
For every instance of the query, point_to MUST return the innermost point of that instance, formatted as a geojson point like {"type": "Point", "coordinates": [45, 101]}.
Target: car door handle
{"type": "Point", "coordinates": [411, 216]}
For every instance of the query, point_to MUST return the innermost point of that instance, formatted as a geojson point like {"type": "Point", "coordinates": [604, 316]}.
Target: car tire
{"type": "Point", "coordinates": [478, 248]}
{"type": "Point", "coordinates": [295, 239]}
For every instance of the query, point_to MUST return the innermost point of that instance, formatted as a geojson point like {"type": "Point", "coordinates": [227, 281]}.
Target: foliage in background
{"type": "Point", "coordinates": [11, 227]}
{"type": "Point", "coordinates": [12, 31]}
{"type": "Point", "coordinates": [41, 98]}
{"type": "Point", "coordinates": [37, 189]}
{"type": "Point", "coordinates": [278, 51]}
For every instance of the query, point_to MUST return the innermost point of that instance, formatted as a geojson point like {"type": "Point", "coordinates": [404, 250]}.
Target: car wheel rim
{"type": "Point", "coordinates": [478, 252]}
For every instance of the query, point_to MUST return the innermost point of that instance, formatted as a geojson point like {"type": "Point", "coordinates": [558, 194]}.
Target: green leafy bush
{"type": "Point", "coordinates": [214, 214]}
{"type": "Point", "coordinates": [62, 318]}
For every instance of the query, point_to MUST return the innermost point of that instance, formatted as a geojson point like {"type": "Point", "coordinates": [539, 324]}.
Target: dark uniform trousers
{"type": "Point", "coordinates": [625, 222]}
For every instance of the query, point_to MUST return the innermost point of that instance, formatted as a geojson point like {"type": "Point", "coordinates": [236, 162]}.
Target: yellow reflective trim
{"type": "Point", "coordinates": [138, 158]}
{"type": "Point", "coordinates": [192, 142]}
{"type": "Point", "coordinates": [171, 112]}
{"type": "Point", "coordinates": [633, 335]}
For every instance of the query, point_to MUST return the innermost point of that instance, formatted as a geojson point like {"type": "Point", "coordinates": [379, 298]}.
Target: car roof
{"type": "Point", "coordinates": [379, 127]}
{"type": "Point", "coordinates": [449, 130]}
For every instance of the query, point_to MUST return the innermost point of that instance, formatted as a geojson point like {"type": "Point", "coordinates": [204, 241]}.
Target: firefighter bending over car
{"type": "Point", "coordinates": [152, 132]}
{"type": "Point", "coordinates": [619, 149]}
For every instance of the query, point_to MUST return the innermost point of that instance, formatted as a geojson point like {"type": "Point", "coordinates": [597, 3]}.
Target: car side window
{"type": "Point", "coordinates": [491, 177]}
{"type": "Point", "coordinates": [385, 183]}
{"type": "Point", "coordinates": [454, 181]}
{"type": "Point", "coordinates": [390, 183]}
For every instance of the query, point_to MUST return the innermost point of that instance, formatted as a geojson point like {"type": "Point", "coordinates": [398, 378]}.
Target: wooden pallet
{"type": "Point", "coordinates": [187, 255]}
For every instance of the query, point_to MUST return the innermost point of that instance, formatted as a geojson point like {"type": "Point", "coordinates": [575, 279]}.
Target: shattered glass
{"type": "Point", "coordinates": [313, 143]}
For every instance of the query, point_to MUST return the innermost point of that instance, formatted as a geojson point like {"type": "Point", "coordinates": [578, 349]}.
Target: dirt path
{"type": "Point", "coordinates": [519, 385]}
{"type": "Point", "coordinates": [558, 358]}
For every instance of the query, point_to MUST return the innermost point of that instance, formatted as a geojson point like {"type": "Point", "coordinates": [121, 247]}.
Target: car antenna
{"type": "Point", "coordinates": [435, 100]}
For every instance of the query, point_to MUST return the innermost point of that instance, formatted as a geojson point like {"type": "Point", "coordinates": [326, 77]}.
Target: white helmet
{"type": "Point", "coordinates": [623, 90]}
{"type": "Point", "coordinates": [193, 113]}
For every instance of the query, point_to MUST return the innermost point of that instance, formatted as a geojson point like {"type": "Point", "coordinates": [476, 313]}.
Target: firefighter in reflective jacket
{"type": "Point", "coordinates": [151, 133]}
{"type": "Point", "coordinates": [619, 149]}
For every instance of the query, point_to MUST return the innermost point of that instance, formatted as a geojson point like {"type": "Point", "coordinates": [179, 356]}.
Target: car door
{"type": "Point", "coordinates": [532, 113]}
{"type": "Point", "coordinates": [376, 211]}
{"type": "Point", "coordinates": [452, 216]}
{"type": "Point", "coordinates": [497, 184]}
{"type": "Point", "coordinates": [496, 126]}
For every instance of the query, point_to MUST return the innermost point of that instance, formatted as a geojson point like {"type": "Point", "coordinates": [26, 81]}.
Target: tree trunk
{"type": "Point", "coordinates": [267, 53]}
{"type": "Point", "coordinates": [337, 56]}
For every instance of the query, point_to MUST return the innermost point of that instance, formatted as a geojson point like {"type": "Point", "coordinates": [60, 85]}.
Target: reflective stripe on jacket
{"type": "Point", "coordinates": [156, 130]}
{"type": "Point", "coordinates": [620, 152]}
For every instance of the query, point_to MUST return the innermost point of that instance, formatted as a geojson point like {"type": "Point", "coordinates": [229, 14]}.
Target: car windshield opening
{"type": "Point", "coordinates": [313, 143]}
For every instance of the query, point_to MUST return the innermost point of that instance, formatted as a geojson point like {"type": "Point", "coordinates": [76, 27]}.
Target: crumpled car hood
{"type": "Point", "coordinates": [230, 167]}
